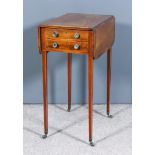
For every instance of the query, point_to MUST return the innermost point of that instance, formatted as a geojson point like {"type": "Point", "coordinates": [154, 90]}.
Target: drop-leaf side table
{"type": "Point", "coordinates": [76, 33]}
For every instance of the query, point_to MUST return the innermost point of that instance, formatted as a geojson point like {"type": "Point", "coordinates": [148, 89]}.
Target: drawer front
{"type": "Point", "coordinates": [68, 46]}
{"type": "Point", "coordinates": [64, 40]}
{"type": "Point", "coordinates": [75, 35]}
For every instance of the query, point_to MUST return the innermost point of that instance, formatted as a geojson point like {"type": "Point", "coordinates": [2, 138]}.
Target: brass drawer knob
{"type": "Point", "coordinates": [55, 34]}
{"type": "Point", "coordinates": [76, 35]}
{"type": "Point", "coordinates": [76, 46]}
{"type": "Point", "coordinates": [55, 45]}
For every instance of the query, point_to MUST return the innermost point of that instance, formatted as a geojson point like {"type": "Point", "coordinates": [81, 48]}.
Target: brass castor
{"type": "Point", "coordinates": [44, 136]}
{"type": "Point", "coordinates": [68, 110]}
{"type": "Point", "coordinates": [109, 116]}
{"type": "Point", "coordinates": [91, 143]}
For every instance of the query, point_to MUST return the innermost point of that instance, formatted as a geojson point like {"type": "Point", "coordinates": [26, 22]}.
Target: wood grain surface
{"type": "Point", "coordinates": [76, 21]}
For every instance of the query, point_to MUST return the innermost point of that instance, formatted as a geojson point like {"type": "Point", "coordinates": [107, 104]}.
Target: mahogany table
{"type": "Point", "coordinates": [76, 33]}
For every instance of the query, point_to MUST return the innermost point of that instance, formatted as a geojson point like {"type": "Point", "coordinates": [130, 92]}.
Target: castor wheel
{"type": "Point", "coordinates": [44, 136]}
{"type": "Point", "coordinates": [91, 143]}
{"type": "Point", "coordinates": [68, 110]}
{"type": "Point", "coordinates": [109, 116]}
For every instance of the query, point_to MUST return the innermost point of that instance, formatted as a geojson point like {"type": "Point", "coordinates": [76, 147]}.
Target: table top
{"type": "Point", "coordinates": [77, 21]}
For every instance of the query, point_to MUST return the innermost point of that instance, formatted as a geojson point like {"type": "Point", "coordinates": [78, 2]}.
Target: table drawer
{"type": "Point", "coordinates": [69, 46]}
{"type": "Point", "coordinates": [75, 35]}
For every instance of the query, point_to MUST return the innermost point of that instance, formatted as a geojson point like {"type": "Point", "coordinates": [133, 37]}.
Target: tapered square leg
{"type": "Point", "coordinates": [109, 61]}
{"type": "Point", "coordinates": [90, 97]}
{"type": "Point", "coordinates": [69, 73]}
{"type": "Point", "coordinates": [45, 96]}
